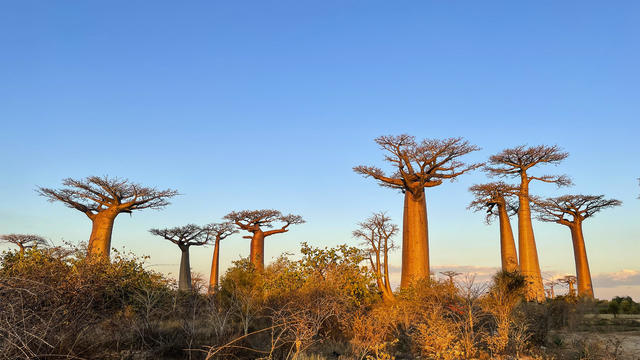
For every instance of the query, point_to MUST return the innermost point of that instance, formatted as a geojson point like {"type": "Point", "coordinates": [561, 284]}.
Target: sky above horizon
{"type": "Point", "coordinates": [250, 105]}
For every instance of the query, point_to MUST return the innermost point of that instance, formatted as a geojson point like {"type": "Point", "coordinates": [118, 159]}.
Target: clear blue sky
{"type": "Point", "coordinates": [269, 104]}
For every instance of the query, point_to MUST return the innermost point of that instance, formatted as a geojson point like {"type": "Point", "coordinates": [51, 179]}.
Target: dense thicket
{"type": "Point", "coordinates": [57, 303]}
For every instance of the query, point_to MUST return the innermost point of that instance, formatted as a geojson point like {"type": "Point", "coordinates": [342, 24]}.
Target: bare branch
{"type": "Point", "coordinates": [185, 236]}
{"type": "Point", "coordinates": [95, 194]}
{"type": "Point", "coordinates": [419, 165]}
{"type": "Point", "coordinates": [571, 209]}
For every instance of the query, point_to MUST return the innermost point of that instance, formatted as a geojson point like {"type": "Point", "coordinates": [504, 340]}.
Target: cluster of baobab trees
{"type": "Point", "coordinates": [423, 164]}
{"type": "Point", "coordinates": [417, 165]}
{"type": "Point", "coordinates": [103, 198]}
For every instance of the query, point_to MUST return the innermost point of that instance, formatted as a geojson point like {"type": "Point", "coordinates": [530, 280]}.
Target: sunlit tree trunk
{"type": "Point", "coordinates": [387, 284]}
{"type": "Point", "coordinates": [529, 264]}
{"type": "Point", "coordinates": [100, 240]}
{"type": "Point", "coordinates": [215, 267]}
{"type": "Point", "coordinates": [21, 249]}
{"type": "Point", "coordinates": [184, 278]}
{"type": "Point", "coordinates": [508, 252]}
{"type": "Point", "coordinates": [585, 287]}
{"type": "Point", "coordinates": [256, 254]}
{"type": "Point", "coordinates": [415, 239]}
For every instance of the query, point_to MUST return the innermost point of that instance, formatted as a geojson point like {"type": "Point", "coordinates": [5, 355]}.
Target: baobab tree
{"type": "Point", "coordinates": [494, 199]}
{"type": "Point", "coordinates": [516, 162]}
{"type": "Point", "coordinates": [376, 234]}
{"type": "Point", "coordinates": [24, 241]}
{"type": "Point", "coordinates": [418, 165]}
{"type": "Point", "coordinates": [254, 221]}
{"type": "Point", "coordinates": [102, 199]}
{"type": "Point", "coordinates": [570, 280]}
{"type": "Point", "coordinates": [218, 232]}
{"type": "Point", "coordinates": [185, 237]}
{"type": "Point", "coordinates": [571, 211]}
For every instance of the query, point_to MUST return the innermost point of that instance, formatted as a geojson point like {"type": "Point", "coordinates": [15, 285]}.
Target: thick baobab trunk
{"type": "Point", "coordinates": [256, 254]}
{"type": "Point", "coordinates": [415, 239]}
{"type": "Point", "coordinates": [184, 278]}
{"type": "Point", "coordinates": [529, 264]}
{"type": "Point", "coordinates": [585, 288]}
{"type": "Point", "coordinates": [100, 240]}
{"type": "Point", "coordinates": [508, 252]}
{"type": "Point", "coordinates": [215, 267]}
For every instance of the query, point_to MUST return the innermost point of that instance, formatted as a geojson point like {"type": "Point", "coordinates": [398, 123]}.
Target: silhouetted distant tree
{"type": "Point", "coordinates": [418, 165]}
{"type": "Point", "coordinates": [254, 221]}
{"type": "Point", "coordinates": [516, 162]}
{"type": "Point", "coordinates": [185, 237]}
{"type": "Point", "coordinates": [24, 241]}
{"type": "Point", "coordinates": [218, 232]}
{"type": "Point", "coordinates": [376, 233]}
{"type": "Point", "coordinates": [493, 198]}
{"type": "Point", "coordinates": [102, 199]}
{"type": "Point", "coordinates": [571, 211]}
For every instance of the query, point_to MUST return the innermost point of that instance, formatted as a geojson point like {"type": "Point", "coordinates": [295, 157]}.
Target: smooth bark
{"type": "Point", "coordinates": [529, 264]}
{"type": "Point", "coordinates": [215, 267]}
{"type": "Point", "coordinates": [415, 239]}
{"type": "Point", "coordinates": [184, 279]}
{"type": "Point", "coordinates": [256, 253]}
{"type": "Point", "coordinates": [100, 239]}
{"type": "Point", "coordinates": [585, 287]}
{"type": "Point", "coordinates": [508, 253]}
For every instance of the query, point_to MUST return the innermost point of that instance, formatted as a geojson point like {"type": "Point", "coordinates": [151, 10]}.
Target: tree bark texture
{"type": "Point", "coordinates": [215, 267]}
{"type": "Point", "coordinates": [100, 240]}
{"type": "Point", "coordinates": [508, 252]}
{"type": "Point", "coordinates": [256, 253]}
{"type": "Point", "coordinates": [529, 264]}
{"type": "Point", "coordinates": [184, 279]}
{"type": "Point", "coordinates": [415, 239]}
{"type": "Point", "coordinates": [585, 287]}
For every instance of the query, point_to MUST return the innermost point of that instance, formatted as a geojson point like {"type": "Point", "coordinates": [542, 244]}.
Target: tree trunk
{"type": "Point", "coordinates": [387, 284]}
{"type": "Point", "coordinates": [415, 239]}
{"type": "Point", "coordinates": [215, 267]}
{"type": "Point", "coordinates": [508, 252]}
{"type": "Point", "coordinates": [529, 264]}
{"type": "Point", "coordinates": [21, 250]}
{"type": "Point", "coordinates": [184, 279]}
{"type": "Point", "coordinates": [100, 240]}
{"type": "Point", "coordinates": [256, 255]}
{"type": "Point", "coordinates": [585, 288]}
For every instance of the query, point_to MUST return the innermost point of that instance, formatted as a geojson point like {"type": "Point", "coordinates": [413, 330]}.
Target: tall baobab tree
{"type": "Point", "coordinates": [102, 199]}
{"type": "Point", "coordinates": [185, 237]}
{"type": "Point", "coordinates": [571, 211]}
{"type": "Point", "coordinates": [493, 197]}
{"type": "Point", "coordinates": [376, 233]}
{"type": "Point", "coordinates": [516, 162]}
{"type": "Point", "coordinates": [24, 241]}
{"type": "Point", "coordinates": [218, 232]}
{"type": "Point", "coordinates": [254, 221]}
{"type": "Point", "coordinates": [418, 165]}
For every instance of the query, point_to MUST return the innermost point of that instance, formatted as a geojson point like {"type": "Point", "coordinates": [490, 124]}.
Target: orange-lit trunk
{"type": "Point", "coordinates": [256, 254]}
{"type": "Point", "coordinates": [415, 239]}
{"type": "Point", "coordinates": [184, 279]}
{"type": "Point", "coordinates": [100, 240]}
{"type": "Point", "coordinates": [508, 252]}
{"type": "Point", "coordinates": [215, 267]}
{"type": "Point", "coordinates": [585, 287]}
{"type": "Point", "coordinates": [387, 284]}
{"type": "Point", "coordinates": [529, 264]}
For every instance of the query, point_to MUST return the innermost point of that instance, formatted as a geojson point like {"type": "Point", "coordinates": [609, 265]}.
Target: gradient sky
{"type": "Point", "coordinates": [245, 105]}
